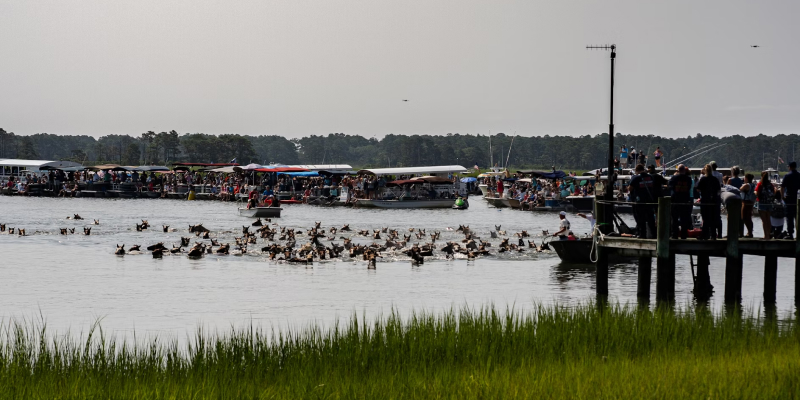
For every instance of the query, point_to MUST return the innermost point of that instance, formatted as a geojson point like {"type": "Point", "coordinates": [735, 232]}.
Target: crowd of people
{"type": "Point", "coordinates": [712, 191]}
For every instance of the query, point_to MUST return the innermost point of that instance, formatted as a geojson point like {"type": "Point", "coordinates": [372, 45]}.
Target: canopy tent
{"type": "Point", "coordinates": [544, 174]}
{"type": "Point", "coordinates": [440, 169]}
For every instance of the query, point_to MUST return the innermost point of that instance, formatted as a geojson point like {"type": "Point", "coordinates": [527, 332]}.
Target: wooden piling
{"type": "Point", "coordinates": [665, 263]}
{"type": "Point", "coordinates": [645, 276]}
{"type": "Point", "coordinates": [733, 259]}
{"type": "Point", "coordinates": [702, 284]}
{"type": "Point", "coordinates": [797, 259]}
{"type": "Point", "coordinates": [601, 278]}
{"type": "Point", "coordinates": [770, 278]}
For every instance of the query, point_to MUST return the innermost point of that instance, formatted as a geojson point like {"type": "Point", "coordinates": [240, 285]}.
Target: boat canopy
{"type": "Point", "coordinates": [469, 179]}
{"type": "Point", "coordinates": [103, 167]}
{"type": "Point", "coordinates": [271, 168]}
{"type": "Point", "coordinates": [332, 168]}
{"type": "Point", "coordinates": [419, 180]}
{"type": "Point", "coordinates": [543, 174]}
{"type": "Point", "coordinates": [40, 164]}
{"type": "Point", "coordinates": [300, 174]}
{"type": "Point", "coordinates": [190, 164]}
{"type": "Point", "coordinates": [440, 169]}
{"type": "Point", "coordinates": [153, 168]}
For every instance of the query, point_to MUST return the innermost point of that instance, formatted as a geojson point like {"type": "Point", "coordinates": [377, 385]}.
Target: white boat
{"type": "Point", "coordinates": [427, 203]}
{"type": "Point", "coordinates": [484, 189]}
{"type": "Point", "coordinates": [428, 191]}
{"type": "Point", "coordinates": [260, 212]}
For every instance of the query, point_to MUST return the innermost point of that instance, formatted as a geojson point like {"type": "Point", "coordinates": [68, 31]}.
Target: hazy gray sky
{"type": "Point", "coordinates": [299, 67]}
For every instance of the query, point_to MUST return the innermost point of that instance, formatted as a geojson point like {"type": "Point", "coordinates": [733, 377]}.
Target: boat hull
{"type": "Point", "coordinates": [496, 201]}
{"type": "Point", "coordinates": [435, 203]}
{"type": "Point", "coordinates": [484, 189]}
{"type": "Point", "coordinates": [261, 212]}
{"type": "Point", "coordinates": [579, 251]}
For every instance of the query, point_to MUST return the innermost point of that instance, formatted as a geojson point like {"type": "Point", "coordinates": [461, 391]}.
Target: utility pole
{"type": "Point", "coordinates": [609, 194]}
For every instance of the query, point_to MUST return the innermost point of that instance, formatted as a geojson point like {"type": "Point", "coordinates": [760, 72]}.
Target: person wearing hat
{"type": "Point", "coordinates": [789, 187]}
{"type": "Point", "coordinates": [563, 226]}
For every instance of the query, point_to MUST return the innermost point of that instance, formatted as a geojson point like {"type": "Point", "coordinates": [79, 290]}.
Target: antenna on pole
{"type": "Point", "coordinates": [609, 195]}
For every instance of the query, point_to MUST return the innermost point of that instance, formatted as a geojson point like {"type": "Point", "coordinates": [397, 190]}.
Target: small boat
{"type": "Point", "coordinates": [579, 251]}
{"type": "Point", "coordinates": [260, 212]}
{"type": "Point", "coordinates": [496, 201]}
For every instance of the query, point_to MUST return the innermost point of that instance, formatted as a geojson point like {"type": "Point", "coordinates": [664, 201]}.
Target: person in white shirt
{"type": "Point", "coordinates": [589, 217]}
{"type": "Point", "coordinates": [563, 225]}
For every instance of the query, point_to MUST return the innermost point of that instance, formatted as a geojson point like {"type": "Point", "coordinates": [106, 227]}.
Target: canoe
{"type": "Point", "coordinates": [261, 212]}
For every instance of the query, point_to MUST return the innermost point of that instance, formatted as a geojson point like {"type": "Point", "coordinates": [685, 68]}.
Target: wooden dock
{"type": "Point", "coordinates": [664, 250]}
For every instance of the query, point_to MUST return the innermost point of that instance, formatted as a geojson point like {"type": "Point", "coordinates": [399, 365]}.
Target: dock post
{"type": "Point", "coordinates": [601, 283]}
{"type": "Point", "coordinates": [770, 278]}
{"type": "Point", "coordinates": [665, 264]}
{"type": "Point", "coordinates": [702, 284]}
{"type": "Point", "coordinates": [733, 259]}
{"type": "Point", "coordinates": [645, 276]}
{"type": "Point", "coordinates": [797, 262]}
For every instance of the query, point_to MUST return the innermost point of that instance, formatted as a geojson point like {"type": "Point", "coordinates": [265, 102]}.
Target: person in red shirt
{"type": "Point", "coordinates": [500, 187]}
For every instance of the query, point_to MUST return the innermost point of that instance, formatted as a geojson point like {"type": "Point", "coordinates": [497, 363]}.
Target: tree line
{"type": "Point", "coordinates": [577, 153]}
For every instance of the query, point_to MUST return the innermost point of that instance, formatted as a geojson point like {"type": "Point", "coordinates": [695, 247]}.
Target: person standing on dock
{"type": "Point", "coordinates": [709, 188]}
{"type": "Point", "coordinates": [789, 187]}
{"type": "Point", "coordinates": [765, 193]}
{"type": "Point", "coordinates": [623, 156]}
{"type": "Point", "coordinates": [680, 186]}
{"type": "Point", "coordinates": [657, 155]}
{"type": "Point", "coordinates": [642, 192]}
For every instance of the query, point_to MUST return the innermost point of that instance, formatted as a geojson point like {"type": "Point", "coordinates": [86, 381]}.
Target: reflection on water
{"type": "Point", "coordinates": [75, 279]}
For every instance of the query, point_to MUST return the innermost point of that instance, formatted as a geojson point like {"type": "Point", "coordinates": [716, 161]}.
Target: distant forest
{"type": "Point", "coordinates": [564, 152]}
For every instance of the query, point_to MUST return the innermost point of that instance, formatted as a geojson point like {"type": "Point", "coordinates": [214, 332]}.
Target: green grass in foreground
{"type": "Point", "coordinates": [551, 352]}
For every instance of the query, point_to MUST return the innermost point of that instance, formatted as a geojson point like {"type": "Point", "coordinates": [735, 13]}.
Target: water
{"type": "Point", "coordinates": [74, 280]}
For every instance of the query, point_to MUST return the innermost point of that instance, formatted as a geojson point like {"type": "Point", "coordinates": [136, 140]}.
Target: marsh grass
{"type": "Point", "coordinates": [549, 352]}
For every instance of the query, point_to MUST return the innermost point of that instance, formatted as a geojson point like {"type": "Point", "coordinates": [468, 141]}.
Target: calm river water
{"type": "Point", "coordinates": [74, 280]}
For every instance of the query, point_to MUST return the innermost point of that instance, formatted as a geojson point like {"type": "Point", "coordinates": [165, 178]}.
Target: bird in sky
{"type": "Point", "coordinates": [755, 45]}
{"type": "Point", "coordinates": [405, 100]}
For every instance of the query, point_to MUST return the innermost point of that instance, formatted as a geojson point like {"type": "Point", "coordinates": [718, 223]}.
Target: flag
{"type": "Point", "coordinates": [780, 160]}
{"type": "Point", "coordinates": [476, 167]}
{"type": "Point", "coordinates": [233, 161]}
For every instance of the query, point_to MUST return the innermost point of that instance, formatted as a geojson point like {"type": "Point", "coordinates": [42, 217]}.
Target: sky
{"type": "Point", "coordinates": [298, 67]}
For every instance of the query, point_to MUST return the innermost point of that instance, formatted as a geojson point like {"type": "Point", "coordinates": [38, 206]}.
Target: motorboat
{"type": "Point", "coordinates": [409, 203]}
